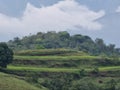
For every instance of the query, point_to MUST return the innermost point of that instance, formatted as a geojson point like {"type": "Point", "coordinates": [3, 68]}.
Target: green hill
{"type": "Point", "coordinates": [53, 40]}
{"type": "Point", "coordinates": [10, 82]}
{"type": "Point", "coordinates": [61, 69]}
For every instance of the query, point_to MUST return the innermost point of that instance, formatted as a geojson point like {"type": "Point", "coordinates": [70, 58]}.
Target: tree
{"type": "Point", "coordinates": [6, 55]}
{"type": "Point", "coordinates": [63, 39]}
{"type": "Point", "coordinates": [17, 40]}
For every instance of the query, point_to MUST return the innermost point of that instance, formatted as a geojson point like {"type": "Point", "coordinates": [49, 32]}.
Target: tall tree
{"type": "Point", "coordinates": [6, 55]}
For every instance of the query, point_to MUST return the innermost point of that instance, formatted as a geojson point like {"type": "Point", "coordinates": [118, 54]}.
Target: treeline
{"type": "Point", "coordinates": [63, 39]}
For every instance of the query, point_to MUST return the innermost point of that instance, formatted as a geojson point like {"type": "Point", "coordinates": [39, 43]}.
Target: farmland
{"type": "Point", "coordinates": [39, 69]}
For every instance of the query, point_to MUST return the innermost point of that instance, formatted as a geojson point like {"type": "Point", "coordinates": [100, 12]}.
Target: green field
{"type": "Point", "coordinates": [30, 60]}
{"type": "Point", "coordinates": [48, 52]}
{"type": "Point", "coordinates": [56, 57]}
{"type": "Point", "coordinates": [53, 67]}
{"type": "Point", "coordinates": [112, 68]}
{"type": "Point", "coordinates": [10, 82]}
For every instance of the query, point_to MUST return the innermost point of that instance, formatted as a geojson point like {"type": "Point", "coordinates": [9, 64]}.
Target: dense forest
{"type": "Point", "coordinates": [53, 40]}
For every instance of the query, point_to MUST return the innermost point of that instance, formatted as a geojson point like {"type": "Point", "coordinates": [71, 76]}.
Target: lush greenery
{"type": "Point", "coordinates": [11, 82]}
{"type": "Point", "coordinates": [63, 40]}
{"type": "Point", "coordinates": [73, 70]}
{"type": "Point", "coordinates": [47, 52]}
{"type": "Point", "coordinates": [6, 55]}
{"type": "Point", "coordinates": [59, 61]}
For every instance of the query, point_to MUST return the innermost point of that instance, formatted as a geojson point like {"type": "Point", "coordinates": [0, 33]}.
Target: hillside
{"type": "Point", "coordinates": [53, 40]}
{"type": "Point", "coordinates": [11, 82]}
{"type": "Point", "coordinates": [61, 69]}
{"type": "Point", "coordinates": [59, 61]}
{"type": "Point", "coordinates": [57, 69]}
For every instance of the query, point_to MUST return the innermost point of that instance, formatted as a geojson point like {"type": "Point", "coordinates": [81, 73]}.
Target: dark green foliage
{"type": "Point", "coordinates": [6, 55]}
{"type": "Point", "coordinates": [64, 40]}
{"type": "Point", "coordinates": [59, 82]}
{"type": "Point", "coordinates": [32, 77]}
{"type": "Point", "coordinates": [84, 84]}
{"type": "Point", "coordinates": [96, 71]}
{"type": "Point", "coordinates": [82, 73]}
{"type": "Point", "coordinates": [108, 62]}
{"type": "Point", "coordinates": [111, 85]}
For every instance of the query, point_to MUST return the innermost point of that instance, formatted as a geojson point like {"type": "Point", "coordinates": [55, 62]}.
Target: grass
{"type": "Point", "coordinates": [45, 52]}
{"type": "Point", "coordinates": [9, 82]}
{"type": "Point", "coordinates": [109, 68]}
{"type": "Point", "coordinates": [56, 57]}
{"type": "Point", "coordinates": [42, 69]}
{"type": "Point", "coordinates": [25, 60]}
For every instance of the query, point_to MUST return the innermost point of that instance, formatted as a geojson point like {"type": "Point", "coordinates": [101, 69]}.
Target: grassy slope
{"type": "Point", "coordinates": [27, 68]}
{"type": "Point", "coordinates": [61, 69]}
{"type": "Point", "coordinates": [45, 52]}
{"type": "Point", "coordinates": [9, 82]}
{"type": "Point", "coordinates": [56, 57]}
{"type": "Point", "coordinates": [85, 62]}
{"type": "Point", "coordinates": [24, 55]}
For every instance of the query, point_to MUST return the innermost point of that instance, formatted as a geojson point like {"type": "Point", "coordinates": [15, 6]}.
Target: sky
{"type": "Point", "coordinates": [95, 18]}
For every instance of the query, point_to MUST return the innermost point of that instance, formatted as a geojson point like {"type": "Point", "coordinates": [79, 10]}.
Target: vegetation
{"type": "Point", "coordinates": [53, 40]}
{"type": "Point", "coordinates": [59, 61]}
{"type": "Point", "coordinates": [6, 55]}
{"type": "Point", "coordinates": [11, 82]}
{"type": "Point", "coordinates": [47, 52]}
{"type": "Point", "coordinates": [77, 60]}
{"type": "Point", "coordinates": [72, 70]}
{"type": "Point", "coordinates": [23, 68]}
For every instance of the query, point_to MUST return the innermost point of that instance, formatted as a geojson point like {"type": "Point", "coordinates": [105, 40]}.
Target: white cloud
{"type": "Point", "coordinates": [118, 10]}
{"type": "Point", "coordinates": [61, 16]}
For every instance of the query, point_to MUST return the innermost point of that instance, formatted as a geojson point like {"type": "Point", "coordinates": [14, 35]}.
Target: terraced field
{"type": "Point", "coordinates": [112, 68]}
{"type": "Point", "coordinates": [62, 60]}
{"type": "Point", "coordinates": [41, 67]}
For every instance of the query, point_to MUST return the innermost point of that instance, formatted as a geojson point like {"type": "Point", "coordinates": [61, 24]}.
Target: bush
{"type": "Point", "coordinates": [95, 71]}
{"type": "Point", "coordinates": [32, 77]}
{"type": "Point", "coordinates": [85, 85]}
{"type": "Point", "coordinates": [59, 82]}
{"type": "Point", "coordinates": [82, 73]}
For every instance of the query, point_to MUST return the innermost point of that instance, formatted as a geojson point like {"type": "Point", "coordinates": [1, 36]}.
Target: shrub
{"type": "Point", "coordinates": [6, 55]}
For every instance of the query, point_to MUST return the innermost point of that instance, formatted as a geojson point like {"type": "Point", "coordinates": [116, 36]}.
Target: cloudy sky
{"type": "Point", "coordinates": [96, 18]}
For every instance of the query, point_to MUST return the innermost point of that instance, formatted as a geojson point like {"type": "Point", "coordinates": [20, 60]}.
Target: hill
{"type": "Point", "coordinates": [49, 69]}
{"type": "Point", "coordinates": [10, 82]}
{"type": "Point", "coordinates": [59, 61]}
{"type": "Point", "coordinates": [53, 40]}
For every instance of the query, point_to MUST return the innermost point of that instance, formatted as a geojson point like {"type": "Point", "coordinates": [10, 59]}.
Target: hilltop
{"type": "Point", "coordinates": [53, 40]}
